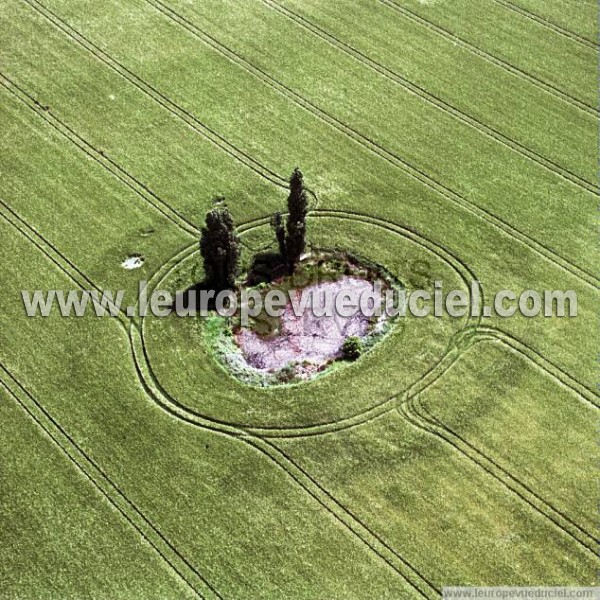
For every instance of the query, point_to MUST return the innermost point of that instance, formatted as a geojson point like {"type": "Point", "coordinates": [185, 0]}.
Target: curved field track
{"type": "Point", "coordinates": [450, 142]}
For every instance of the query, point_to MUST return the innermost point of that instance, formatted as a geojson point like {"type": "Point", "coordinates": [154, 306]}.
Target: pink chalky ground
{"type": "Point", "coordinates": [307, 337]}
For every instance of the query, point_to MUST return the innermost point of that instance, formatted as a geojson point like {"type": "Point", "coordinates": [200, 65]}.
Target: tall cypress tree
{"type": "Point", "coordinates": [220, 249]}
{"type": "Point", "coordinates": [278, 226]}
{"type": "Point", "coordinates": [296, 221]}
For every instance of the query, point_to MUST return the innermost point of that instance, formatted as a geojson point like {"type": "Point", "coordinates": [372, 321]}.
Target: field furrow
{"type": "Point", "coordinates": [117, 406]}
{"type": "Point", "coordinates": [446, 147]}
{"type": "Point", "coordinates": [450, 77]}
{"type": "Point", "coordinates": [590, 43]}
{"type": "Point", "coordinates": [520, 44]}
{"type": "Point", "coordinates": [469, 183]}
{"type": "Point", "coordinates": [522, 444]}
{"type": "Point", "coordinates": [580, 18]}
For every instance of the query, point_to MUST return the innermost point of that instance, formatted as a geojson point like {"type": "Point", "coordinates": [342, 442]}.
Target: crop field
{"type": "Point", "coordinates": [452, 140]}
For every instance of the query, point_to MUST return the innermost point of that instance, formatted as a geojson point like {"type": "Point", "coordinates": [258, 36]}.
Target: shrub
{"type": "Point", "coordinates": [287, 374]}
{"type": "Point", "coordinates": [352, 348]}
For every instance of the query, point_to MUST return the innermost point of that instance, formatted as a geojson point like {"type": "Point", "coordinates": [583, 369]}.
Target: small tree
{"type": "Point", "coordinates": [296, 222]}
{"type": "Point", "coordinates": [279, 228]}
{"type": "Point", "coordinates": [352, 348]}
{"type": "Point", "coordinates": [220, 248]}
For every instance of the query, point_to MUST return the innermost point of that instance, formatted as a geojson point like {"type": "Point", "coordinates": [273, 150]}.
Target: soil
{"type": "Point", "coordinates": [309, 341]}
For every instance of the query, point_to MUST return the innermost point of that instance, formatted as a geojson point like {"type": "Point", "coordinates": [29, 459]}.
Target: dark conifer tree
{"type": "Point", "coordinates": [220, 249]}
{"type": "Point", "coordinates": [279, 228]}
{"type": "Point", "coordinates": [296, 222]}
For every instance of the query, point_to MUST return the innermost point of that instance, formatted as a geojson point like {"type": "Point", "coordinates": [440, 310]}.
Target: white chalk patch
{"type": "Point", "coordinates": [306, 337]}
{"type": "Point", "coordinates": [133, 262]}
{"type": "Point", "coordinates": [112, 97]}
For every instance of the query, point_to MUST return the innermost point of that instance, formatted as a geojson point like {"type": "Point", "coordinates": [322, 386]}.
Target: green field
{"type": "Point", "coordinates": [442, 139]}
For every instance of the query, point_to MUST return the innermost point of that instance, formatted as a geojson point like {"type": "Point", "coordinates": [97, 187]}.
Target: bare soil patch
{"type": "Point", "coordinates": [307, 338]}
{"type": "Point", "coordinates": [299, 346]}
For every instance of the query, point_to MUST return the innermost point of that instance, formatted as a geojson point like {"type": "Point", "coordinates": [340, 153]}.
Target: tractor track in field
{"type": "Point", "coordinates": [406, 405]}
{"type": "Point", "coordinates": [52, 253]}
{"type": "Point", "coordinates": [516, 345]}
{"type": "Point", "coordinates": [99, 156]}
{"type": "Point", "coordinates": [157, 394]}
{"type": "Point", "coordinates": [431, 99]}
{"type": "Point", "coordinates": [47, 248]}
{"type": "Point", "coordinates": [387, 553]}
{"type": "Point", "coordinates": [533, 79]}
{"type": "Point", "coordinates": [544, 22]}
{"type": "Point", "coordinates": [153, 390]}
{"type": "Point", "coordinates": [546, 366]}
{"type": "Point", "coordinates": [385, 405]}
{"type": "Point", "coordinates": [549, 368]}
{"type": "Point", "coordinates": [410, 412]}
{"type": "Point", "coordinates": [373, 412]}
{"type": "Point", "coordinates": [467, 275]}
{"type": "Point", "coordinates": [311, 486]}
{"type": "Point", "coordinates": [364, 417]}
{"type": "Point", "coordinates": [524, 492]}
{"type": "Point", "coordinates": [90, 470]}
{"type": "Point", "coordinates": [341, 514]}
{"type": "Point", "coordinates": [55, 256]}
{"type": "Point", "coordinates": [306, 481]}
{"type": "Point", "coordinates": [456, 199]}
{"type": "Point", "coordinates": [188, 118]}
{"type": "Point", "coordinates": [380, 151]}
{"type": "Point", "coordinates": [470, 331]}
{"type": "Point", "coordinates": [590, 540]}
